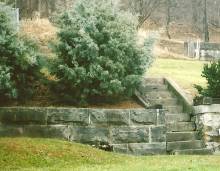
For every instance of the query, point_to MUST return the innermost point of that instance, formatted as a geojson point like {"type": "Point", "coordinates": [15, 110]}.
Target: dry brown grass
{"type": "Point", "coordinates": [40, 30]}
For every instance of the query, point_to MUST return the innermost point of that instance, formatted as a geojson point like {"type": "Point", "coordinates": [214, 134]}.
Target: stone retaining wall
{"type": "Point", "coordinates": [208, 121]}
{"type": "Point", "coordinates": [135, 131]}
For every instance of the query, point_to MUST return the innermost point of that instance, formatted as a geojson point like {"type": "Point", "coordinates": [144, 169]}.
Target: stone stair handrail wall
{"type": "Point", "coordinates": [180, 94]}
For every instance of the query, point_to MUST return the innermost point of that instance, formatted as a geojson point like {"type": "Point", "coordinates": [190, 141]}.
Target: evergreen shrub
{"type": "Point", "coordinates": [19, 62]}
{"type": "Point", "coordinates": [98, 54]}
{"type": "Point", "coordinates": [211, 72]}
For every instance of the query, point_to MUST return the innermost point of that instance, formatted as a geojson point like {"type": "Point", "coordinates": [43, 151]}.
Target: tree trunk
{"type": "Point", "coordinates": [206, 25]}
{"type": "Point", "coordinates": [168, 19]}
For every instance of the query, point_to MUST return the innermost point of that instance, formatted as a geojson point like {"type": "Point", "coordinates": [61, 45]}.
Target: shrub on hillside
{"type": "Point", "coordinates": [98, 54]}
{"type": "Point", "coordinates": [211, 72]}
{"type": "Point", "coordinates": [19, 62]}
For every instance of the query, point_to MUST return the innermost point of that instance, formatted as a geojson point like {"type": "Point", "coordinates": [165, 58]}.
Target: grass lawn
{"type": "Point", "coordinates": [185, 72]}
{"type": "Point", "coordinates": [47, 154]}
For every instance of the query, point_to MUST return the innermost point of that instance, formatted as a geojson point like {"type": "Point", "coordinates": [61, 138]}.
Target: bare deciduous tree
{"type": "Point", "coordinates": [144, 8]}
{"type": "Point", "coordinates": [205, 22]}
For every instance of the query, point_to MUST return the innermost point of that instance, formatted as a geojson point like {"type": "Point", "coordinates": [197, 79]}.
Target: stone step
{"type": "Point", "coordinates": [181, 127]}
{"type": "Point", "coordinates": [156, 81]}
{"type": "Point", "coordinates": [201, 151]}
{"type": "Point", "coordinates": [182, 136]}
{"type": "Point", "coordinates": [150, 88]}
{"type": "Point", "coordinates": [183, 117]}
{"type": "Point", "coordinates": [140, 148]}
{"type": "Point", "coordinates": [164, 101]}
{"type": "Point", "coordinates": [158, 95]}
{"type": "Point", "coordinates": [174, 109]}
{"type": "Point", "coordinates": [184, 145]}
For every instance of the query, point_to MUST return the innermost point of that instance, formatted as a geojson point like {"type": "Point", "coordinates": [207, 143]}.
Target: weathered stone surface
{"type": "Point", "coordinates": [11, 131]}
{"type": "Point", "coordinates": [118, 117]}
{"type": "Point", "coordinates": [164, 102]}
{"type": "Point", "coordinates": [68, 115]}
{"type": "Point", "coordinates": [161, 118]}
{"type": "Point", "coordinates": [183, 145]}
{"type": "Point", "coordinates": [147, 149]}
{"type": "Point", "coordinates": [143, 117]}
{"type": "Point", "coordinates": [202, 151]}
{"type": "Point", "coordinates": [120, 148]}
{"type": "Point", "coordinates": [7, 115]}
{"type": "Point", "coordinates": [181, 126]}
{"type": "Point", "coordinates": [23, 115]}
{"type": "Point", "coordinates": [109, 117]}
{"type": "Point", "coordinates": [158, 134]}
{"type": "Point", "coordinates": [123, 135]}
{"type": "Point", "coordinates": [157, 81]}
{"type": "Point", "coordinates": [58, 131]}
{"type": "Point", "coordinates": [55, 131]}
{"type": "Point", "coordinates": [215, 108]}
{"type": "Point", "coordinates": [178, 118]}
{"type": "Point", "coordinates": [182, 136]}
{"type": "Point", "coordinates": [153, 87]}
{"type": "Point", "coordinates": [122, 128]}
{"type": "Point", "coordinates": [211, 119]}
{"type": "Point", "coordinates": [158, 95]}
{"type": "Point", "coordinates": [174, 109]}
{"type": "Point", "coordinates": [98, 117]}
{"type": "Point", "coordinates": [208, 120]}
{"type": "Point", "coordinates": [90, 135]}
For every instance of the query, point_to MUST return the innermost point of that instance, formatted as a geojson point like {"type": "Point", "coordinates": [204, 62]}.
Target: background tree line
{"type": "Point", "coordinates": [199, 14]}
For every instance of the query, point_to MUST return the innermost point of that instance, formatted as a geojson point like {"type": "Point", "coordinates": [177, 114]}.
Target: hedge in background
{"type": "Point", "coordinates": [98, 54]}
{"type": "Point", "coordinates": [19, 62]}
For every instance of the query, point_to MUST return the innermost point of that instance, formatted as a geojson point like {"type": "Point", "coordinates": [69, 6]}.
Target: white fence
{"type": "Point", "coordinates": [202, 50]}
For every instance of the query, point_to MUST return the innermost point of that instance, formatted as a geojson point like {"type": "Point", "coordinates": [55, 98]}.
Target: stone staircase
{"type": "Point", "coordinates": [182, 135]}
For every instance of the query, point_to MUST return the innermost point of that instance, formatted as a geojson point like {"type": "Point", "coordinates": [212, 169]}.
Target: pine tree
{"type": "Point", "coordinates": [98, 55]}
{"type": "Point", "coordinates": [19, 62]}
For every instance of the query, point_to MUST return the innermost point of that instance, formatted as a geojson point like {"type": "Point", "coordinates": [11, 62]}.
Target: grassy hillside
{"type": "Point", "coordinates": [45, 154]}
{"type": "Point", "coordinates": [185, 72]}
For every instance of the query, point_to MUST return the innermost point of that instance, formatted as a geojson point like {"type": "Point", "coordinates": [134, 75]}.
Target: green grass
{"type": "Point", "coordinates": [185, 72]}
{"type": "Point", "coordinates": [46, 154]}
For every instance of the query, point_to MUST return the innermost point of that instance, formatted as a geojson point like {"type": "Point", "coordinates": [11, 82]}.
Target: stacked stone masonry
{"type": "Point", "coordinates": [208, 121]}
{"type": "Point", "coordinates": [132, 131]}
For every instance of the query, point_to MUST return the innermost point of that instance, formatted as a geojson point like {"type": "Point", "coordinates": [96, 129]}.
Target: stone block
{"type": "Point", "coordinates": [161, 117]}
{"type": "Point", "coordinates": [7, 115]}
{"type": "Point", "coordinates": [183, 145]}
{"type": "Point", "coordinates": [143, 117]}
{"type": "Point", "coordinates": [35, 131]}
{"type": "Point", "coordinates": [68, 116]}
{"type": "Point", "coordinates": [120, 148]}
{"type": "Point", "coordinates": [55, 131]}
{"type": "Point", "coordinates": [123, 135]}
{"type": "Point", "coordinates": [23, 115]}
{"type": "Point", "coordinates": [90, 135]}
{"type": "Point", "coordinates": [211, 119]}
{"type": "Point", "coordinates": [118, 117]}
{"type": "Point", "coordinates": [181, 127]}
{"type": "Point", "coordinates": [215, 108]}
{"type": "Point", "coordinates": [107, 117]}
{"type": "Point", "coordinates": [182, 136]}
{"type": "Point", "coordinates": [147, 149]}
{"type": "Point", "coordinates": [98, 117]}
{"type": "Point", "coordinates": [11, 131]}
{"type": "Point", "coordinates": [158, 134]}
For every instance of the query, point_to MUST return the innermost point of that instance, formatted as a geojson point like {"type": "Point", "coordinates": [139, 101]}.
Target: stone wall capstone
{"type": "Point", "coordinates": [131, 131]}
